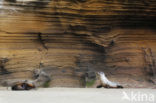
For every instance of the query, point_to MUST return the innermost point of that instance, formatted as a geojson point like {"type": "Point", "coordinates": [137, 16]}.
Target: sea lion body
{"type": "Point", "coordinates": [22, 86]}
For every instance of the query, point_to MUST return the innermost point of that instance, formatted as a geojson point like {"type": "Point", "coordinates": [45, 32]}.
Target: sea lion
{"type": "Point", "coordinates": [22, 86]}
{"type": "Point", "coordinates": [104, 82]}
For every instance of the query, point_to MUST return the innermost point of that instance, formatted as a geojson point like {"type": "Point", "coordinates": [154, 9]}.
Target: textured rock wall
{"type": "Point", "coordinates": [76, 36]}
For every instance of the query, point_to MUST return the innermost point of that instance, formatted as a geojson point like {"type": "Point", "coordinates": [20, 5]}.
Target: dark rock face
{"type": "Point", "coordinates": [77, 37]}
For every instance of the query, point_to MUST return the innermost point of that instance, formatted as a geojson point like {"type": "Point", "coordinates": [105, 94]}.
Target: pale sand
{"type": "Point", "coordinates": [78, 95]}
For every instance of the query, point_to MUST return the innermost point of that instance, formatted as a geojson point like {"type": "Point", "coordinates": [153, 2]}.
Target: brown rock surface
{"type": "Point", "coordinates": [76, 36]}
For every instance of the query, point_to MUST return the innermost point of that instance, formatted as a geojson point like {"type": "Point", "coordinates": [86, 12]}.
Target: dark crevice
{"type": "Point", "coordinates": [3, 70]}
{"type": "Point", "coordinates": [41, 41]}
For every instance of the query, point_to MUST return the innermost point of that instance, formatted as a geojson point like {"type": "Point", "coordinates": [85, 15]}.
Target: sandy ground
{"type": "Point", "coordinates": [79, 95]}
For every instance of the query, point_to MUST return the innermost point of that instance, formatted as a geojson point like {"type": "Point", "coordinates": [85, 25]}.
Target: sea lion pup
{"type": "Point", "coordinates": [106, 83]}
{"type": "Point", "coordinates": [42, 76]}
{"type": "Point", "coordinates": [22, 86]}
